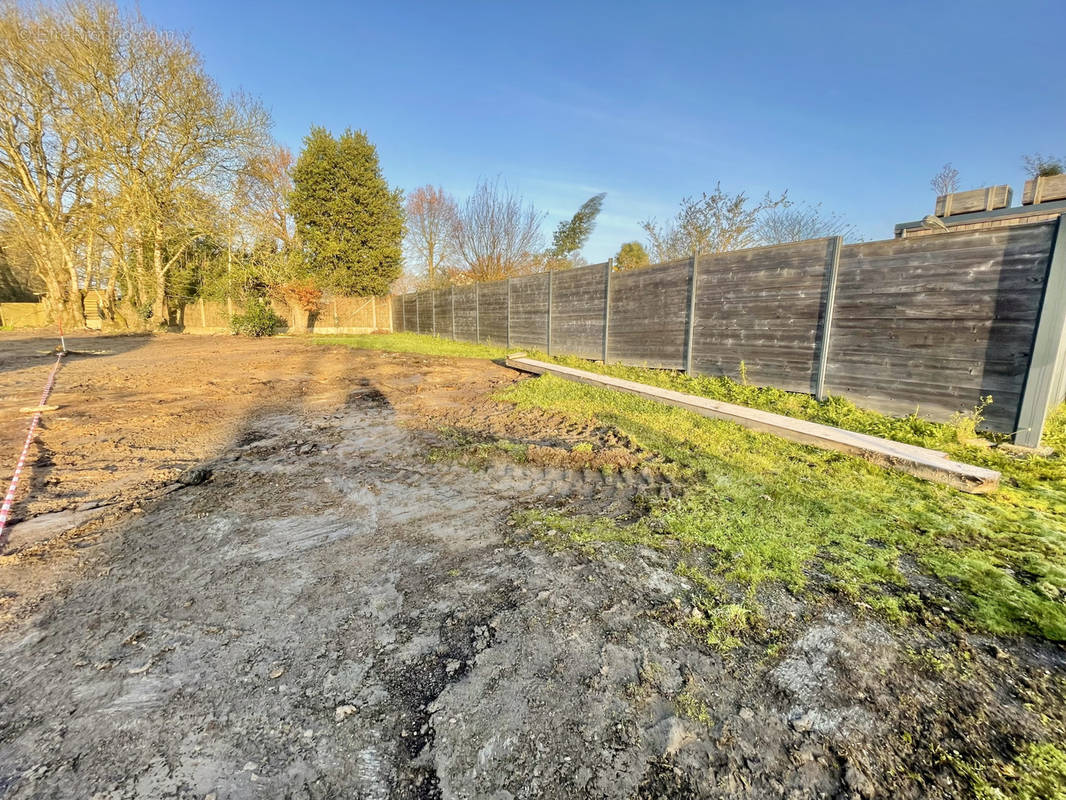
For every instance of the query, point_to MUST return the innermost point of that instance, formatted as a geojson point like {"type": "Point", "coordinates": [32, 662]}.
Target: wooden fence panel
{"type": "Point", "coordinates": [493, 313]}
{"type": "Point", "coordinates": [425, 312]}
{"type": "Point", "coordinates": [761, 306]}
{"type": "Point", "coordinates": [577, 311]}
{"type": "Point", "coordinates": [938, 322]}
{"type": "Point", "coordinates": [23, 315]}
{"type": "Point", "coordinates": [397, 313]}
{"type": "Point", "coordinates": [466, 313]}
{"type": "Point", "coordinates": [442, 312]}
{"type": "Point", "coordinates": [410, 312]}
{"type": "Point", "coordinates": [357, 313]}
{"type": "Point", "coordinates": [529, 311]}
{"type": "Point", "coordinates": [648, 316]}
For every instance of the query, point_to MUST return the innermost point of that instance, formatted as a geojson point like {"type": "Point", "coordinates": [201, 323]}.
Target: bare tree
{"type": "Point", "coordinates": [261, 194]}
{"type": "Point", "coordinates": [497, 234]}
{"type": "Point", "coordinates": [1038, 165]}
{"type": "Point", "coordinates": [431, 220]}
{"type": "Point", "coordinates": [797, 223]}
{"type": "Point", "coordinates": [946, 181]}
{"type": "Point", "coordinates": [714, 223]}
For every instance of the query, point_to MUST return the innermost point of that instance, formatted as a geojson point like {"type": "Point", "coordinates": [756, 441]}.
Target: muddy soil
{"type": "Point", "coordinates": [241, 573]}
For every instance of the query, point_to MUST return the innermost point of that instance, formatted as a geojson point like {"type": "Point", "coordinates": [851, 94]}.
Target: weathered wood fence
{"type": "Point", "coordinates": [932, 324]}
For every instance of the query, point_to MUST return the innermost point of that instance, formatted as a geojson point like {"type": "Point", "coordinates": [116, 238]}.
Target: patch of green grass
{"type": "Point", "coordinates": [763, 510]}
{"type": "Point", "coordinates": [690, 706]}
{"type": "Point", "coordinates": [414, 343]}
{"type": "Point", "coordinates": [476, 453]}
{"type": "Point", "coordinates": [1039, 773]}
{"type": "Point", "coordinates": [836, 411]}
{"type": "Point", "coordinates": [1055, 430]}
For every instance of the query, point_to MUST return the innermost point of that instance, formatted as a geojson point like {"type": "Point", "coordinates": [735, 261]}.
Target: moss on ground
{"type": "Point", "coordinates": [1039, 773]}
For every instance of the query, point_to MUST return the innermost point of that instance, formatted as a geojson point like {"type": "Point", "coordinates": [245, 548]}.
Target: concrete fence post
{"type": "Point", "coordinates": [606, 306]}
{"type": "Point", "coordinates": [451, 300]}
{"type": "Point", "coordinates": [690, 321]}
{"type": "Point", "coordinates": [477, 312]}
{"type": "Point", "coordinates": [418, 313]}
{"type": "Point", "coordinates": [551, 282]}
{"type": "Point", "coordinates": [433, 310]}
{"type": "Point", "coordinates": [829, 302]}
{"type": "Point", "coordinates": [1045, 378]}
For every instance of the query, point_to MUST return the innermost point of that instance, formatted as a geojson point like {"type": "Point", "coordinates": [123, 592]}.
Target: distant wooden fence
{"type": "Point", "coordinates": [335, 315]}
{"type": "Point", "coordinates": [931, 324]}
{"type": "Point", "coordinates": [23, 315]}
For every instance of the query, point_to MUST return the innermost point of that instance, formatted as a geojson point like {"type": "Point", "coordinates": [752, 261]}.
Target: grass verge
{"type": "Point", "coordinates": [761, 510]}
{"type": "Point", "coordinates": [414, 343]}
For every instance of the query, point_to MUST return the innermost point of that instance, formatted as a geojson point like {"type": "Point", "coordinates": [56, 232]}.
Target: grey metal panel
{"type": "Point", "coordinates": [648, 319]}
{"type": "Point", "coordinates": [494, 312]}
{"type": "Point", "coordinates": [466, 313]}
{"type": "Point", "coordinates": [529, 311]}
{"type": "Point", "coordinates": [761, 307]}
{"type": "Point", "coordinates": [577, 311]}
{"type": "Point", "coordinates": [934, 324]}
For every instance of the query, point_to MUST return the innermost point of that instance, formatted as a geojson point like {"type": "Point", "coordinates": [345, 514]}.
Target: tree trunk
{"type": "Point", "coordinates": [76, 301]}
{"type": "Point", "coordinates": [160, 308]}
{"type": "Point", "coordinates": [137, 280]}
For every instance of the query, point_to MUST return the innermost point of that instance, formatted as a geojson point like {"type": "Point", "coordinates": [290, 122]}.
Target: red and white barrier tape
{"type": "Point", "coordinates": [9, 498]}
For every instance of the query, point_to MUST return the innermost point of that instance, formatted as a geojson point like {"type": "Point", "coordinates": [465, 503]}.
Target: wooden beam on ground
{"type": "Point", "coordinates": [920, 461]}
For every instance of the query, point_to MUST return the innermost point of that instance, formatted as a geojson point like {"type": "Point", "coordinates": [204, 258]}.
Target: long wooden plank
{"type": "Point", "coordinates": [920, 461]}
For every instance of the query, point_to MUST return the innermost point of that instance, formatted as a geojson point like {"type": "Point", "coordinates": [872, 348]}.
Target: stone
{"type": "Point", "coordinates": [194, 476]}
{"type": "Point", "coordinates": [858, 782]}
{"type": "Point", "coordinates": [341, 713]}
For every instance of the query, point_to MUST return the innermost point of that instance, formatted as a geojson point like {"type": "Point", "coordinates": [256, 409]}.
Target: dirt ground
{"type": "Point", "coordinates": [243, 570]}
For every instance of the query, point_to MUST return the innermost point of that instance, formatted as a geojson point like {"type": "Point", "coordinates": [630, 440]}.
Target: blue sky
{"type": "Point", "coordinates": [853, 105]}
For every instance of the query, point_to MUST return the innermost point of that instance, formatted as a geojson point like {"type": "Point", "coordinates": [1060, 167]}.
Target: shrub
{"type": "Point", "coordinates": [258, 319]}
